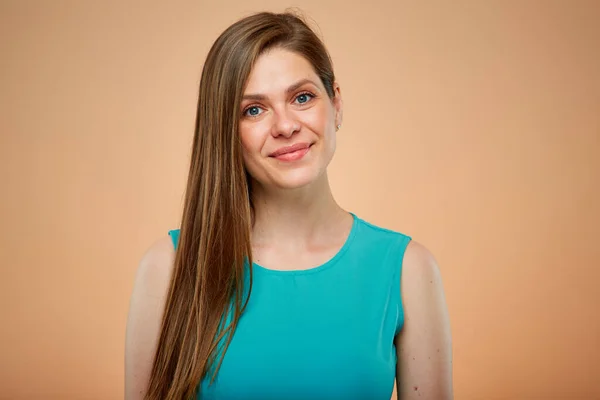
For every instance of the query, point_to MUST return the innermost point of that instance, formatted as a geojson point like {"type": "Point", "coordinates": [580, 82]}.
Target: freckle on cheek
{"type": "Point", "coordinates": [415, 388]}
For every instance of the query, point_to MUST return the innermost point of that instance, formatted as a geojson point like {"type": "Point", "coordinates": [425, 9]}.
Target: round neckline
{"type": "Point", "coordinates": [326, 265]}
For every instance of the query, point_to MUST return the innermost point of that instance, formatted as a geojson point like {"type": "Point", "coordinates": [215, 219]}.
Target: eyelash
{"type": "Point", "coordinates": [305, 93]}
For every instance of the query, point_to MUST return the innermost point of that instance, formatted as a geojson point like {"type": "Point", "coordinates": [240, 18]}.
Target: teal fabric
{"type": "Point", "coordinates": [323, 333]}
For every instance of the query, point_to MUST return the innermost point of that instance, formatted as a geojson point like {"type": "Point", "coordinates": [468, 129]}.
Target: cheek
{"type": "Point", "coordinates": [250, 140]}
{"type": "Point", "coordinates": [252, 144]}
{"type": "Point", "coordinates": [319, 119]}
{"type": "Point", "coordinates": [331, 142]}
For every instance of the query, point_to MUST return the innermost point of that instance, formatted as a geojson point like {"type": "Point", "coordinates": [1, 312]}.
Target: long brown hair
{"type": "Point", "coordinates": [210, 283]}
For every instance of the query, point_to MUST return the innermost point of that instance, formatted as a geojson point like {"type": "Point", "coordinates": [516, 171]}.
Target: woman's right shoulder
{"type": "Point", "coordinates": [153, 277]}
{"type": "Point", "coordinates": [146, 306]}
{"type": "Point", "coordinates": [156, 264]}
{"type": "Point", "coordinates": [158, 256]}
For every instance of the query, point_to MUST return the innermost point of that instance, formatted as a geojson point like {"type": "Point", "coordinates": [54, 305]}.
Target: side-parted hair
{"type": "Point", "coordinates": [208, 285]}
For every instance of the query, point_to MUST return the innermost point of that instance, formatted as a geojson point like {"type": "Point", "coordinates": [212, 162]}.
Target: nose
{"type": "Point", "coordinates": [284, 123]}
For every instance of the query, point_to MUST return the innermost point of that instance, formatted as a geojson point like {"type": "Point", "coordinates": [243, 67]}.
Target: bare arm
{"type": "Point", "coordinates": [145, 316]}
{"type": "Point", "coordinates": [424, 346]}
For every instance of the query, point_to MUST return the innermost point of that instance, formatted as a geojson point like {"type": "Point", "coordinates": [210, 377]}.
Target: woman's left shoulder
{"type": "Point", "coordinates": [425, 341]}
{"type": "Point", "coordinates": [420, 267]}
{"type": "Point", "coordinates": [419, 256]}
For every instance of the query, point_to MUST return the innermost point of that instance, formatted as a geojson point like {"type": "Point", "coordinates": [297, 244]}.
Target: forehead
{"type": "Point", "coordinates": [276, 69]}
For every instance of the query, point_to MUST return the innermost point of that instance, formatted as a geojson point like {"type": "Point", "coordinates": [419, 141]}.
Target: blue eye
{"type": "Point", "coordinates": [252, 111]}
{"type": "Point", "coordinates": [304, 98]}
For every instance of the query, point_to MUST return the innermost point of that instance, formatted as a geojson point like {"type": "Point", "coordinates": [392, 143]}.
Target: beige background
{"type": "Point", "coordinates": [472, 125]}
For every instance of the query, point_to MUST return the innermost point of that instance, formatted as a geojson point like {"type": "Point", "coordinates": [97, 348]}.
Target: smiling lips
{"type": "Point", "coordinates": [291, 153]}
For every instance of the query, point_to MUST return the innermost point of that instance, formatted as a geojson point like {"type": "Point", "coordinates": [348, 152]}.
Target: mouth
{"type": "Point", "coordinates": [291, 153]}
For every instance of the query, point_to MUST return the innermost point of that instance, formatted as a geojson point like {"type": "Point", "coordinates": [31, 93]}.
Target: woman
{"type": "Point", "coordinates": [270, 290]}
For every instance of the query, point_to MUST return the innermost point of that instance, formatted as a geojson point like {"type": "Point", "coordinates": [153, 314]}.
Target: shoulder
{"type": "Point", "coordinates": [424, 343]}
{"type": "Point", "coordinates": [422, 290]}
{"type": "Point", "coordinates": [156, 264]}
{"type": "Point", "coordinates": [381, 236]}
{"type": "Point", "coordinates": [421, 275]}
{"type": "Point", "coordinates": [152, 282]}
{"type": "Point", "coordinates": [152, 279]}
{"type": "Point", "coordinates": [418, 260]}
{"type": "Point", "coordinates": [146, 306]}
{"type": "Point", "coordinates": [159, 252]}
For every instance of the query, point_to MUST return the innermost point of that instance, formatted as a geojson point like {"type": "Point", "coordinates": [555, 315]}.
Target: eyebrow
{"type": "Point", "coordinates": [290, 89]}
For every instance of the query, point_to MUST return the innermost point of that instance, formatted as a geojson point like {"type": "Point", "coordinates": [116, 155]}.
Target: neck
{"type": "Point", "coordinates": [291, 217]}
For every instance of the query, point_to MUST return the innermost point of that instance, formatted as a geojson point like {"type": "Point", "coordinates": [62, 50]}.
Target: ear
{"type": "Point", "coordinates": [338, 104]}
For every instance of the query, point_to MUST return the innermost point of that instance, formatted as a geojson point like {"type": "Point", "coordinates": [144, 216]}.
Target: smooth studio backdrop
{"type": "Point", "coordinates": [473, 126]}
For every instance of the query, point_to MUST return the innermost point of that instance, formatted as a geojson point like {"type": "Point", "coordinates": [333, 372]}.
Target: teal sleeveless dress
{"type": "Point", "coordinates": [322, 333]}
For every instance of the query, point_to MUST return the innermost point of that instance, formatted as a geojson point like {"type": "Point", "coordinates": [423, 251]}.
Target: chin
{"type": "Point", "coordinates": [294, 179]}
{"type": "Point", "coordinates": [289, 177]}
{"type": "Point", "coordinates": [294, 182]}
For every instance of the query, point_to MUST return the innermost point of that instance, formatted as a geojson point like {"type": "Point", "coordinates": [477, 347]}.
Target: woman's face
{"type": "Point", "coordinates": [285, 104]}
